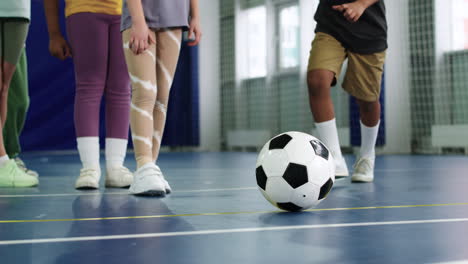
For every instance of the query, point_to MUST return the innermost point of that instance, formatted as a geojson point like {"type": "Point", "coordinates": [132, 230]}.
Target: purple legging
{"type": "Point", "coordinates": [96, 44]}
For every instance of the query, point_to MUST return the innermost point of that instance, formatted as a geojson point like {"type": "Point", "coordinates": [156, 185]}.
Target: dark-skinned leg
{"type": "Point", "coordinates": [370, 112]}
{"type": "Point", "coordinates": [319, 84]}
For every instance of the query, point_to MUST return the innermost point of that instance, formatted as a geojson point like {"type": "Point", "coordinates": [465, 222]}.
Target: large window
{"type": "Point", "coordinates": [460, 25]}
{"type": "Point", "coordinates": [289, 37]}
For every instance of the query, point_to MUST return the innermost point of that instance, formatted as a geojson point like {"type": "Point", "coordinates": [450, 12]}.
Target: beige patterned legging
{"type": "Point", "coordinates": [151, 74]}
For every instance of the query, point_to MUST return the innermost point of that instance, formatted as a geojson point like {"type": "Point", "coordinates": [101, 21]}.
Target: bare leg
{"type": "Point", "coordinates": [321, 105]}
{"type": "Point", "coordinates": [5, 78]}
{"type": "Point", "coordinates": [370, 112]}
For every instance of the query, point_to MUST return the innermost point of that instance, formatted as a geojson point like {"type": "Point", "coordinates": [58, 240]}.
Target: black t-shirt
{"type": "Point", "coordinates": [366, 36]}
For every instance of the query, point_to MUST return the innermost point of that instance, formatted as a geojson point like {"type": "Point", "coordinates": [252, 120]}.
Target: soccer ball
{"type": "Point", "coordinates": [295, 171]}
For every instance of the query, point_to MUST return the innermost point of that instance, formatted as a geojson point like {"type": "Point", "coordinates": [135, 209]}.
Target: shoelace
{"type": "Point", "coordinates": [21, 164]}
{"type": "Point", "coordinates": [362, 165]}
{"type": "Point", "coordinates": [150, 174]}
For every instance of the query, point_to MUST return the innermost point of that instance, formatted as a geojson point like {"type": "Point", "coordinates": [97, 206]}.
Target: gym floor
{"type": "Point", "coordinates": [416, 211]}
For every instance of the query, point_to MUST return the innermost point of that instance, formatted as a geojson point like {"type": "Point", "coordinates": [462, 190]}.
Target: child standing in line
{"type": "Point", "coordinates": [14, 25]}
{"type": "Point", "coordinates": [18, 104]}
{"type": "Point", "coordinates": [93, 29]}
{"type": "Point", "coordinates": [152, 33]}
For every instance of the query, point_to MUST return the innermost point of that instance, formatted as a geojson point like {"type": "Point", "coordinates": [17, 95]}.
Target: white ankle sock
{"type": "Point", "coordinates": [116, 149]}
{"type": "Point", "coordinates": [368, 139]}
{"type": "Point", "coordinates": [3, 160]}
{"type": "Point", "coordinates": [328, 134]}
{"type": "Point", "coordinates": [88, 147]}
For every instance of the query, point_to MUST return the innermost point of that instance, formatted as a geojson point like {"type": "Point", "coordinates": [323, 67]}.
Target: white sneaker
{"type": "Point", "coordinates": [341, 169]}
{"type": "Point", "coordinates": [88, 179]}
{"type": "Point", "coordinates": [148, 181]}
{"type": "Point", "coordinates": [119, 177]}
{"type": "Point", "coordinates": [167, 187]}
{"type": "Point", "coordinates": [364, 170]}
{"type": "Point", "coordinates": [22, 166]}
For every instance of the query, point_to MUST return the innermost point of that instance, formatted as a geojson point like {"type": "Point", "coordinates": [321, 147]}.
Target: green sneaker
{"type": "Point", "coordinates": [12, 176]}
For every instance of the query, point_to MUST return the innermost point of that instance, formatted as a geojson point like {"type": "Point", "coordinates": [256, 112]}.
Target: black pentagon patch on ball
{"type": "Point", "coordinates": [296, 175]}
{"type": "Point", "coordinates": [280, 141]}
{"type": "Point", "coordinates": [320, 149]}
{"type": "Point", "coordinates": [325, 189]}
{"type": "Point", "coordinates": [289, 207]}
{"type": "Point", "coordinates": [261, 177]}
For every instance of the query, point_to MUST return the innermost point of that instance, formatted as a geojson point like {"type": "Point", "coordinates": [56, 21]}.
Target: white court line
{"type": "Point", "coordinates": [416, 169]}
{"type": "Point", "coordinates": [453, 262]}
{"type": "Point", "coordinates": [121, 193]}
{"type": "Point", "coordinates": [225, 231]}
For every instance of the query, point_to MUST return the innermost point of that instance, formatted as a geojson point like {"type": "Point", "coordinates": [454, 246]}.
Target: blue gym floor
{"type": "Point", "coordinates": [416, 211]}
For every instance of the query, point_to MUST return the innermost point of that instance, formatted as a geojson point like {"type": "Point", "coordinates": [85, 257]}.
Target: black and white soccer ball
{"type": "Point", "coordinates": [295, 171]}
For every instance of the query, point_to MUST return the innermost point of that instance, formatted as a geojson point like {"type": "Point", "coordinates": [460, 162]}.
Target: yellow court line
{"type": "Point", "coordinates": [223, 213]}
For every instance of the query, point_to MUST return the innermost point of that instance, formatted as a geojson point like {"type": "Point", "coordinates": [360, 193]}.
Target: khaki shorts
{"type": "Point", "coordinates": [364, 74]}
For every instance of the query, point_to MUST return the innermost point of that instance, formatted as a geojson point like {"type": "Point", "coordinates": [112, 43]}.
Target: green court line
{"type": "Point", "coordinates": [224, 213]}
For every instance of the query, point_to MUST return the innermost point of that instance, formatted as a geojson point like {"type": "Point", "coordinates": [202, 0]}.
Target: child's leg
{"type": "Point", "coordinates": [89, 39]}
{"type": "Point", "coordinates": [117, 99]}
{"type": "Point", "coordinates": [370, 121]}
{"type": "Point", "coordinates": [326, 58]}
{"type": "Point", "coordinates": [322, 109]}
{"type": "Point", "coordinates": [18, 103]}
{"type": "Point", "coordinates": [13, 34]}
{"type": "Point", "coordinates": [12, 37]}
{"type": "Point", "coordinates": [142, 71]}
{"type": "Point", "coordinates": [167, 51]}
{"type": "Point", "coordinates": [363, 80]}
{"type": "Point", "coordinates": [321, 105]}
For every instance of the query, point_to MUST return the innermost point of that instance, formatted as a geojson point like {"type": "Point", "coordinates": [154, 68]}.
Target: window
{"type": "Point", "coordinates": [289, 37]}
{"type": "Point", "coordinates": [268, 38]}
{"type": "Point", "coordinates": [460, 25]}
{"type": "Point", "coordinates": [255, 42]}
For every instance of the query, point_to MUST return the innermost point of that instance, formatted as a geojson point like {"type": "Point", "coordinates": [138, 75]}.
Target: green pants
{"type": "Point", "coordinates": [18, 103]}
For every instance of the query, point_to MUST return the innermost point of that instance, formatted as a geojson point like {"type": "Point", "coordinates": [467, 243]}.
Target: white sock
{"type": "Point", "coordinates": [3, 160]}
{"type": "Point", "coordinates": [116, 149]}
{"type": "Point", "coordinates": [328, 134]}
{"type": "Point", "coordinates": [368, 139]}
{"type": "Point", "coordinates": [88, 147]}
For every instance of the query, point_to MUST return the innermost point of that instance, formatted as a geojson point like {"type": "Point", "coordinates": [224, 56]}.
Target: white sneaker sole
{"type": "Point", "coordinates": [341, 174]}
{"type": "Point", "coordinates": [87, 184]}
{"type": "Point", "coordinates": [24, 183]}
{"type": "Point", "coordinates": [158, 193]}
{"type": "Point", "coordinates": [116, 184]}
{"type": "Point", "coordinates": [151, 191]}
{"type": "Point", "coordinates": [362, 178]}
